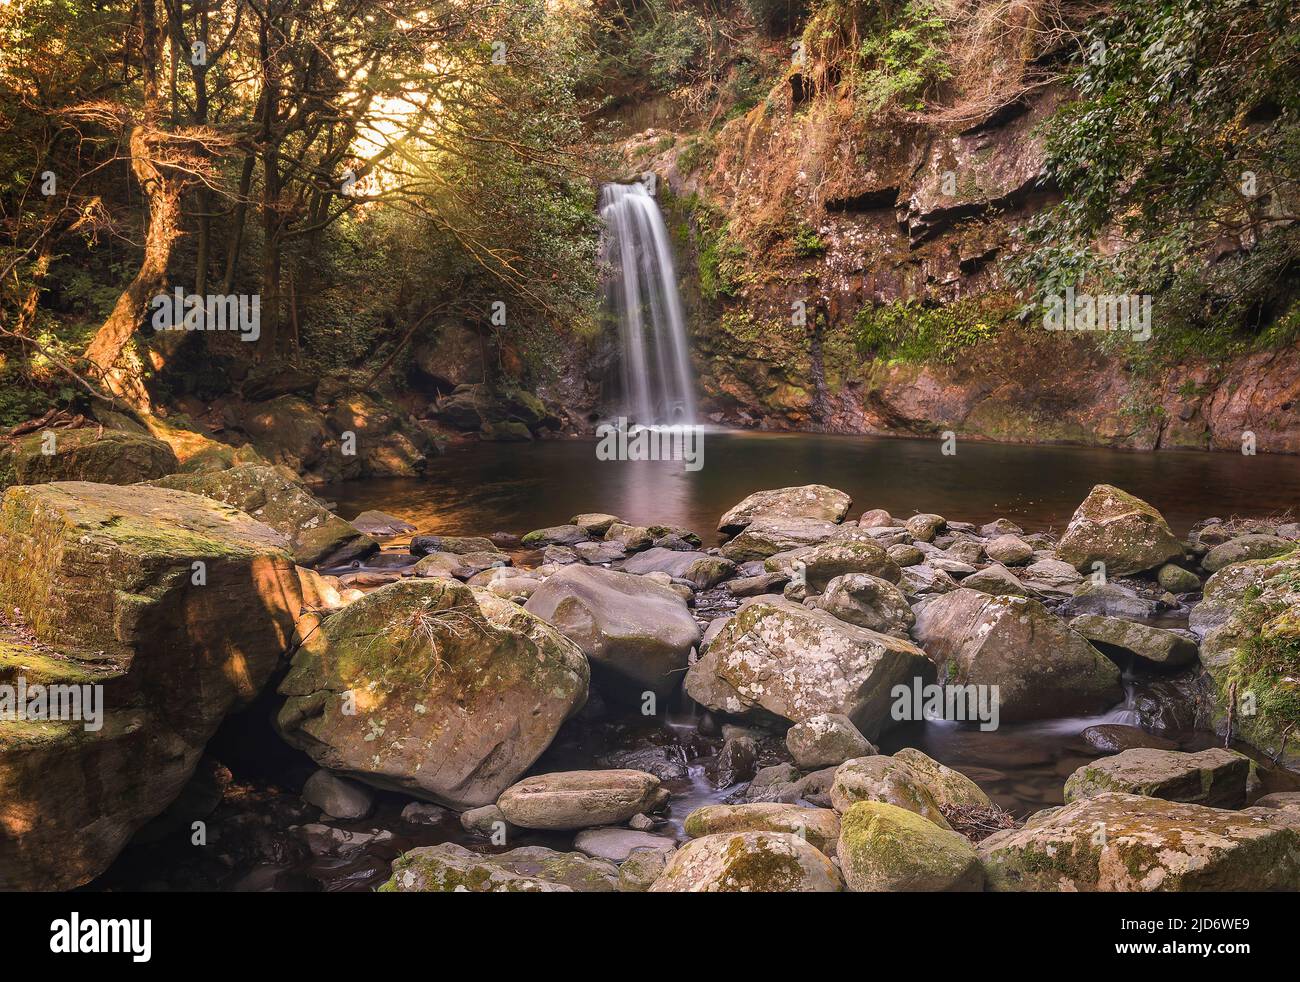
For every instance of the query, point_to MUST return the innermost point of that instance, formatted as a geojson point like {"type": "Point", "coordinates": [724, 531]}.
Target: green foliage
{"type": "Point", "coordinates": [1184, 144]}
{"type": "Point", "coordinates": [908, 332]}
{"type": "Point", "coordinates": [807, 243]}
{"type": "Point", "coordinates": [1267, 664]}
{"type": "Point", "coordinates": [667, 43]}
{"type": "Point", "coordinates": [775, 17]}
{"type": "Point", "coordinates": [903, 60]}
{"type": "Point", "coordinates": [721, 263]}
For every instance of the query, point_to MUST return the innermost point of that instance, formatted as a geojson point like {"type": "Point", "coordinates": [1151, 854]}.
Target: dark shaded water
{"type": "Point", "coordinates": [518, 487]}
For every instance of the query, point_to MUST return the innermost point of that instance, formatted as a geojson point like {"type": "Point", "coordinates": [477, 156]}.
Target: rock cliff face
{"type": "Point", "coordinates": [796, 218]}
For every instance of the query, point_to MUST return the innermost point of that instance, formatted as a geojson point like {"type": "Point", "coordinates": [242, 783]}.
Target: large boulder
{"type": "Point", "coordinates": [1152, 645]}
{"type": "Point", "coordinates": [291, 431]}
{"type": "Point", "coordinates": [178, 606]}
{"type": "Point", "coordinates": [85, 454]}
{"type": "Point", "coordinates": [950, 788]}
{"type": "Point", "coordinates": [637, 634]}
{"type": "Point", "coordinates": [1041, 667]}
{"type": "Point", "coordinates": [815, 501]}
{"type": "Point", "coordinates": [1245, 548]}
{"type": "Point", "coordinates": [819, 826]}
{"type": "Point", "coordinates": [1122, 531]}
{"type": "Point", "coordinates": [1214, 777]}
{"type": "Point", "coordinates": [886, 848]}
{"type": "Point", "coordinates": [779, 658]}
{"type": "Point", "coordinates": [580, 799]}
{"type": "Point", "coordinates": [699, 569]}
{"type": "Point", "coordinates": [1129, 843]}
{"type": "Point", "coordinates": [382, 439]}
{"type": "Point", "coordinates": [823, 563]}
{"type": "Point", "coordinates": [432, 688]}
{"type": "Point", "coordinates": [888, 779]}
{"type": "Point", "coordinates": [748, 862]}
{"type": "Point", "coordinates": [768, 536]}
{"type": "Point", "coordinates": [825, 739]}
{"type": "Point", "coordinates": [315, 533]}
{"type": "Point", "coordinates": [449, 868]}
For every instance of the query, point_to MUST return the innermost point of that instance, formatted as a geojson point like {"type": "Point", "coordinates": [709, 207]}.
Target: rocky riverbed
{"type": "Point", "coordinates": [298, 701]}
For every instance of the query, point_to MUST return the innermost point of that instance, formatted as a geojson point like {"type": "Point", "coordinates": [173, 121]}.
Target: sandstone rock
{"type": "Point", "coordinates": [1150, 644]}
{"type": "Point", "coordinates": [1244, 548]}
{"type": "Point", "coordinates": [823, 563]}
{"type": "Point", "coordinates": [1149, 845]}
{"type": "Point", "coordinates": [825, 739]}
{"type": "Point", "coordinates": [449, 868]}
{"type": "Point", "coordinates": [877, 518]}
{"type": "Point", "coordinates": [756, 586]}
{"type": "Point", "coordinates": [1010, 550]}
{"type": "Point", "coordinates": [922, 580]}
{"type": "Point", "coordinates": [432, 671]}
{"type": "Point", "coordinates": [84, 454]}
{"type": "Point", "coordinates": [1120, 530]}
{"type": "Point", "coordinates": [699, 569]}
{"type": "Point", "coordinates": [316, 535]}
{"type": "Point", "coordinates": [1050, 576]}
{"type": "Point", "coordinates": [748, 862]}
{"type": "Point", "coordinates": [737, 761]}
{"type": "Point", "coordinates": [886, 848]}
{"type": "Point", "coordinates": [595, 523]}
{"type": "Point", "coordinates": [579, 799]}
{"type": "Point", "coordinates": [767, 536]}
{"type": "Point", "coordinates": [598, 553]}
{"type": "Point", "coordinates": [1001, 526]}
{"type": "Point", "coordinates": [632, 538]}
{"type": "Point", "coordinates": [869, 602]}
{"type": "Point", "coordinates": [486, 820]}
{"type": "Point", "coordinates": [290, 431]}
{"type": "Point", "coordinates": [997, 581]}
{"type": "Point", "coordinates": [636, 634]}
{"type": "Point", "coordinates": [812, 501]}
{"type": "Point", "coordinates": [887, 779]}
{"type": "Point", "coordinates": [1042, 668]}
{"type": "Point", "coordinates": [820, 827]}
{"type": "Point", "coordinates": [336, 796]}
{"type": "Point", "coordinates": [1108, 600]}
{"type": "Point", "coordinates": [424, 813]}
{"type": "Point", "coordinates": [949, 787]}
{"type": "Point", "coordinates": [105, 581]}
{"type": "Point", "coordinates": [905, 555]}
{"type": "Point", "coordinates": [1215, 777]}
{"type": "Point", "coordinates": [793, 662]}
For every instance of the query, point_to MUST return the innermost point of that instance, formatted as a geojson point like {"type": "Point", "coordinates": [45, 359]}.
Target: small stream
{"type": "Point", "coordinates": [492, 488]}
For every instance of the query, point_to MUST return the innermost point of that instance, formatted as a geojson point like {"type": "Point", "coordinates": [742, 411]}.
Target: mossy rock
{"type": "Point", "coordinates": [819, 826]}
{"type": "Point", "coordinates": [449, 868]}
{"type": "Point", "coordinates": [1215, 777]}
{"type": "Point", "coordinates": [748, 862]}
{"type": "Point", "coordinates": [886, 848]}
{"type": "Point", "coordinates": [1120, 530]}
{"type": "Point", "coordinates": [85, 454]}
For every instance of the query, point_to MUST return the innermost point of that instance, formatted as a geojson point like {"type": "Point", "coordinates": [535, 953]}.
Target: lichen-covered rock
{"type": "Point", "coordinates": [748, 862]}
{"type": "Point", "coordinates": [1042, 668]}
{"type": "Point", "coordinates": [580, 799]}
{"type": "Point", "coordinates": [819, 826]}
{"type": "Point", "coordinates": [1214, 777]}
{"type": "Point", "coordinates": [459, 565]}
{"type": "Point", "coordinates": [555, 535]}
{"type": "Point", "coordinates": [1245, 548]}
{"type": "Point", "coordinates": [179, 606]}
{"type": "Point", "coordinates": [1175, 579]}
{"type": "Point", "coordinates": [699, 569]}
{"type": "Point", "coordinates": [1154, 645]}
{"type": "Point", "coordinates": [1130, 843]}
{"type": "Point", "coordinates": [825, 739]}
{"type": "Point", "coordinates": [794, 662]}
{"type": "Point", "coordinates": [84, 454]}
{"type": "Point", "coordinates": [461, 545]}
{"type": "Point", "coordinates": [381, 524]}
{"type": "Point", "coordinates": [636, 634]}
{"type": "Point", "coordinates": [315, 533]}
{"type": "Point", "coordinates": [432, 688]}
{"type": "Point", "coordinates": [886, 848]}
{"type": "Point", "coordinates": [765, 537]}
{"type": "Point", "coordinates": [449, 868]}
{"type": "Point", "coordinates": [815, 501]}
{"type": "Point", "coordinates": [996, 580]}
{"type": "Point", "coordinates": [1050, 576]}
{"type": "Point", "coordinates": [949, 787]}
{"type": "Point", "coordinates": [887, 779]}
{"type": "Point", "coordinates": [822, 563]}
{"type": "Point", "coordinates": [1010, 550]}
{"type": "Point", "coordinates": [924, 527]}
{"type": "Point", "coordinates": [638, 872]}
{"type": "Point", "coordinates": [1120, 530]}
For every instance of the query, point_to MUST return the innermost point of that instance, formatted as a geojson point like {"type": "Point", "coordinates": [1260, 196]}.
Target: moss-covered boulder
{"type": "Point", "coordinates": [1042, 668]}
{"type": "Point", "coordinates": [823, 563]}
{"type": "Point", "coordinates": [868, 601]}
{"type": "Point", "coordinates": [1120, 530]}
{"type": "Point", "coordinates": [950, 788]}
{"type": "Point", "coordinates": [1129, 843]}
{"type": "Point", "coordinates": [748, 862]}
{"type": "Point", "coordinates": [385, 443]}
{"type": "Point", "coordinates": [292, 432]}
{"type": "Point", "coordinates": [819, 826]}
{"type": "Point", "coordinates": [636, 634]}
{"type": "Point", "coordinates": [449, 868]}
{"type": "Point", "coordinates": [777, 658]}
{"type": "Point", "coordinates": [1250, 644]}
{"type": "Point", "coordinates": [433, 688]}
{"type": "Point", "coordinates": [580, 799]}
{"type": "Point", "coordinates": [886, 848]}
{"type": "Point", "coordinates": [85, 454]}
{"type": "Point", "coordinates": [1243, 549]}
{"type": "Point", "coordinates": [699, 569]}
{"type": "Point", "coordinates": [815, 501]}
{"type": "Point", "coordinates": [315, 533]}
{"type": "Point", "coordinates": [1214, 777]}
{"type": "Point", "coordinates": [766, 537]}
{"type": "Point", "coordinates": [179, 606]}
{"type": "Point", "coordinates": [888, 779]}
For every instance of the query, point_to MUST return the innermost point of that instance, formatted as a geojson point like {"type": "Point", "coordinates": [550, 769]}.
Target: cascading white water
{"type": "Point", "coordinates": [657, 379]}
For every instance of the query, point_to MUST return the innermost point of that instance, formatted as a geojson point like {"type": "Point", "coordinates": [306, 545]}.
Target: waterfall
{"type": "Point", "coordinates": [642, 291]}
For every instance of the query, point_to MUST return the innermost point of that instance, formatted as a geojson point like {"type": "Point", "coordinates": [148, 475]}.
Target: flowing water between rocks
{"type": "Point", "coordinates": [490, 488]}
